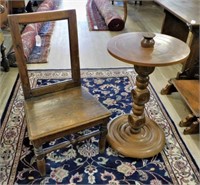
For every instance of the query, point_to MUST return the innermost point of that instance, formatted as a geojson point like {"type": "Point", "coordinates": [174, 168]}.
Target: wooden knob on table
{"type": "Point", "coordinates": [148, 41]}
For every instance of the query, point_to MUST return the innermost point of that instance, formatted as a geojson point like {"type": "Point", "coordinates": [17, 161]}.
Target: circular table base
{"type": "Point", "coordinates": [149, 142]}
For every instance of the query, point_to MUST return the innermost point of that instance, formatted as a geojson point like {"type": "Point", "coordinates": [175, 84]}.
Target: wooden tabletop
{"type": "Point", "coordinates": [185, 10]}
{"type": "Point", "coordinates": [166, 51]}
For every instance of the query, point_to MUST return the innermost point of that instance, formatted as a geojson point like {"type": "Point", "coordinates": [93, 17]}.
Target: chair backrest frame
{"type": "Point", "coordinates": [55, 15]}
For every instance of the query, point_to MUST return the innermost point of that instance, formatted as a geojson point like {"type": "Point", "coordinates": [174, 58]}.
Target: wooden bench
{"type": "Point", "coordinates": [19, 6]}
{"type": "Point", "coordinates": [189, 91]}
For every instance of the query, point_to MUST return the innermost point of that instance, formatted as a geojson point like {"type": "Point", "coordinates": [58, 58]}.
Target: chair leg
{"type": "Point", "coordinates": [102, 139]}
{"type": "Point", "coordinates": [41, 164]}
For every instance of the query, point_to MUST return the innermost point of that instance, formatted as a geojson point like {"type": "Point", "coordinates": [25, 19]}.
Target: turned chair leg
{"type": "Point", "coordinates": [102, 138]}
{"type": "Point", "coordinates": [41, 164]}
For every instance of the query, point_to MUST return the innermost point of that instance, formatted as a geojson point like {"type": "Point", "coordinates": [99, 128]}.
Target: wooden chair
{"type": "Point", "coordinates": [54, 111]}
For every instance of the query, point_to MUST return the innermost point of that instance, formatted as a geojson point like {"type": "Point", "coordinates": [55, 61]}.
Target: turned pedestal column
{"type": "Point", "coordinates": [136, 135]}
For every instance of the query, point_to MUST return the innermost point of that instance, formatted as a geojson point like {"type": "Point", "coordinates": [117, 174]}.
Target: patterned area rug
{"type": "Point", "coordinates": [95, 20]}
{"type": "Point", "coordinates": [39, 54]}
{"type": "Point", "coordinates": [81, 163]}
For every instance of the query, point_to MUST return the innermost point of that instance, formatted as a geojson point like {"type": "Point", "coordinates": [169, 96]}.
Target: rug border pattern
{"type": "Point", "coordinates": [89, 73]}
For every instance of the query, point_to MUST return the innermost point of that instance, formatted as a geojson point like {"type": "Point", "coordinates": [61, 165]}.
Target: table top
{"type": "Point", "coordinates": [185, 10]}
{"type": "Point", "coordinates": [166, 51]}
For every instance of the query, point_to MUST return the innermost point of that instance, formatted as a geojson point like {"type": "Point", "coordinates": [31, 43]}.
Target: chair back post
{"type": "Point", "coordinates": [20, 58]}
{"type": "Point", "coordinates": [16, 20]}
{"type": "Point", "coordinates": [74, 51]}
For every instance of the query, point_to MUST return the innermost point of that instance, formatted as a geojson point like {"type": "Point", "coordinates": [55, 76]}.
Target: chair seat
{"type": "Point", "coordinates": [71, 109]}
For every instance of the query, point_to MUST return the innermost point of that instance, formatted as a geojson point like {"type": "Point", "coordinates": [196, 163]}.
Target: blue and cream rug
{"type": "Point", "coordinates": [81, 163]}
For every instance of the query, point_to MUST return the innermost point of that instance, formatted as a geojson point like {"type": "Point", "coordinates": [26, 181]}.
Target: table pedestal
{"type": "Point", "coordinates": [147, 143]}
{"type": "Point", "coordinates": [135, 135]}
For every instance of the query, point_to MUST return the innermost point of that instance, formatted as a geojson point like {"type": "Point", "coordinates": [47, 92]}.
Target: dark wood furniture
{"type": "Point", "coordinates": [190, 92]}
{"type": "Point", "coordinates": [138, 2]}
{"type": "Point", "coordinates": [136, 135]}
{"type": "Point", "coordinates": [19, 6]}
{"type": "Point", "coordinates": [182, 20]}
{"type": "Point", "coordinates": [56, 110]}
{"type": "Point", "coordinates": [4, 61]}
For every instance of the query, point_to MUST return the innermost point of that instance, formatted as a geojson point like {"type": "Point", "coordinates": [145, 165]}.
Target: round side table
{"type": "Point", "coordinates": [135, 135]}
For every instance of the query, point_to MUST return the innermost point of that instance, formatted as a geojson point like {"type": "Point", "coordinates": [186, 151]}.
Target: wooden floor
{"type": "Point", "coordinates": [93, 54]}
